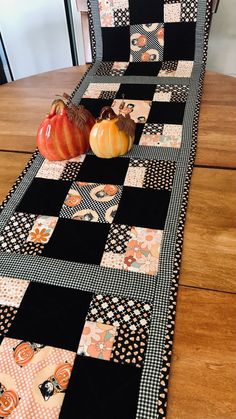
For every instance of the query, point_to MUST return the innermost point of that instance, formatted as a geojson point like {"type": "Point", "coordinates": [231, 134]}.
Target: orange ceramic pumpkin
{"type": "Point", "coordinates": [112, 135]}
{"type": "Point", "coordinates": [64, 133]}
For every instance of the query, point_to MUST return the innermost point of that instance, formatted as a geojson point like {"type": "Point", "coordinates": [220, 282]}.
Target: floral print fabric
{"type": "Point", "coordinates": [97, 340]}
{"type": "Point", "coordinates": [95, 90]}
{"type": "Point", "coordinates": [114, 12]}
{"type": "Point", "coordinates": [161, 135]}
{"type": "Point", "coordinates": [141, 253]}
{"type": "Point", "coordinates": [143, 250]}
{"type": "Point", "coordinates": [42, 229]}
{"type": "Point", "coordinates": [124, 326]}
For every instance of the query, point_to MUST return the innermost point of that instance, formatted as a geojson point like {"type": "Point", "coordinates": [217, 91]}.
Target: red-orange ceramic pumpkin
{"type": "Point", "coordinates": [64, 133]}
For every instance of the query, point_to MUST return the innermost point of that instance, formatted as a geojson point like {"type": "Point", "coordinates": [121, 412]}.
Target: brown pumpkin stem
{"type": "Point", "coordinates": [106, 113]}
{"type": "Point", "coordinates": [57, 106]}
{"type": "Point", "coordinates": [77, 114]}
{"type": "Point", "coordinates": [126, 124]}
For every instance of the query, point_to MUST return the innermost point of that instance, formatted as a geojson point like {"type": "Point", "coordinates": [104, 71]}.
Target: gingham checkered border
{"type": "Point", "coordinates": [152, 153]}
{"type": "Point", "coordinates": [92, 278]}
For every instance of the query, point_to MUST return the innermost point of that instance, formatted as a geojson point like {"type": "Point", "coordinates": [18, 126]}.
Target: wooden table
{"type": "Point", "coordinates": [203, 374]}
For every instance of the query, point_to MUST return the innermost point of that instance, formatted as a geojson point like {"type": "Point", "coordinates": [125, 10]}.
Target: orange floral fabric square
{"type": "Point", "coordinates": [97, 340]}
{"type": "Point", "coordinates": [42, 229]}
{"type": "Point", "coordinates": [143, 250]}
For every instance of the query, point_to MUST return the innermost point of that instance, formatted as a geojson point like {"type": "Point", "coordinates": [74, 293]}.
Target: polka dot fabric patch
{"type": "Point", "coordinates": [117, 238]}
{"type": "Point", "coordinates": [121, 17]}
{"type": "Point", "coordinates": [120, 312]}
{"type": "Point", "coordinates": [160, 175]}
{"type": "Point", "coordinates": [114, 13]}
{"type": "Point", "coordinates": [189, 11]}
{"type": "Point", "coordinates": [130, 347]}
{"type": "Point", "coordinates": [150, 174]}
{"type": "Point", "coordinates": [124, 333]}
{"type": "Point", "coordinates": [12, 290]}
{"type": "Point", "coordinates": [34, 378]}
{"type": "Point", "coordinates": [171, 93]}
{"type": "Point", "coordinates": [7, 315]}
{"type": "Point", "coordinates": [70, 171]}
{"type": "Point", "coordinates": [161, 135]}
{"type": "Point", "coordinates": [16, 231]}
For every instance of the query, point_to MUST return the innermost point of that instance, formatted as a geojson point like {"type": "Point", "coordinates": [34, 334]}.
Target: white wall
{"type": "Point", "coordinates": [36, 38]}
{"type": "Point", "coordinates": [35, 35]}
{"type": "Point", "coordinates": [222, 41]}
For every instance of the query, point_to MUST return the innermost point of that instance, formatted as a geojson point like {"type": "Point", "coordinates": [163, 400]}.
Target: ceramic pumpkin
{"type": "Point", "coordinates": [64, 133]}
{"type": "Point", "coordinates": [112, 135]}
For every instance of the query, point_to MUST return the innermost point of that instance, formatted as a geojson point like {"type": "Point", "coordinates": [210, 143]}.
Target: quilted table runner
{"type": "Point", "coordinates": [91, 247]}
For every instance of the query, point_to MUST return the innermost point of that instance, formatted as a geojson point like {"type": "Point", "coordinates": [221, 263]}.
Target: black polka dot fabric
{"type": "Point", "coordinates": [117, 239]}
{"type": "Point", "coordinates": [159, 175]}
{"type": "Point", "coordinates": [7, 315]}
{"type": "Point", "coordinates": [16, 232]}
{"type": "Point", "coordinates": [71, 171]}
{"type": "Point", "coordinates": [121, 17]}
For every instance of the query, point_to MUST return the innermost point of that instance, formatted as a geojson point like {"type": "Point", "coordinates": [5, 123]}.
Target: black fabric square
{"type": "Point", "coordinates": [138, 132]}
{"type": "Point", "coordinates": [143, 208]}
{"type": "Point", "coordinates": [166, 113]}
{"type": "Point", "coordinates": [101, 390]}
{"type": "Point", "coordinates": [99, 170]}
{"type": "Point", "coordinates": [116, 43]}
{"type": "Point", "coordinates": [51, 315]}
{"type": "Point", "coordinates": [44, 197]}
{"type": "Point", "coordinates": [143, 69]}
{"type": "Point", "coordinates": [77, 241]}
{"type": "Point", "coordinates": [95, 105]}
{"type": "Point", "coordinates": [179, 41]}
{"type": "Point", "coordinates": [149, 11]}
{"type": "Point", "coordinates": [136, 91]}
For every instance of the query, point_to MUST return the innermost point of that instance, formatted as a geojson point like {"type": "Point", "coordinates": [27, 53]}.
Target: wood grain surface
{"type": "Point", "coordinates": [11, 165]}
{"type": "Point", "coordinates": [202, 380]}
{"type": "Point", "coordinates": [203, 371]}
{"type": "Point", "coordinates": [209, 252]}
{"type": "Point", "coordinates": [217, 123]}
{"type": "Point", "coordinates": [27, 101]}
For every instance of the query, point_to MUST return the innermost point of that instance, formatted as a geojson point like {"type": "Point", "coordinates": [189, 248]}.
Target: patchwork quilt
{"type": "Point", "coordinates": [90, 247]}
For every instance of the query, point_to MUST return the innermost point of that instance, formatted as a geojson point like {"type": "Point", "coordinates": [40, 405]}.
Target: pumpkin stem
{"type": "Point", "coordinates": [58, 105]}
{"type": "Point", "coordinates": [106, 113]}
{"type": "Point", "coordinates": [77, 114]}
